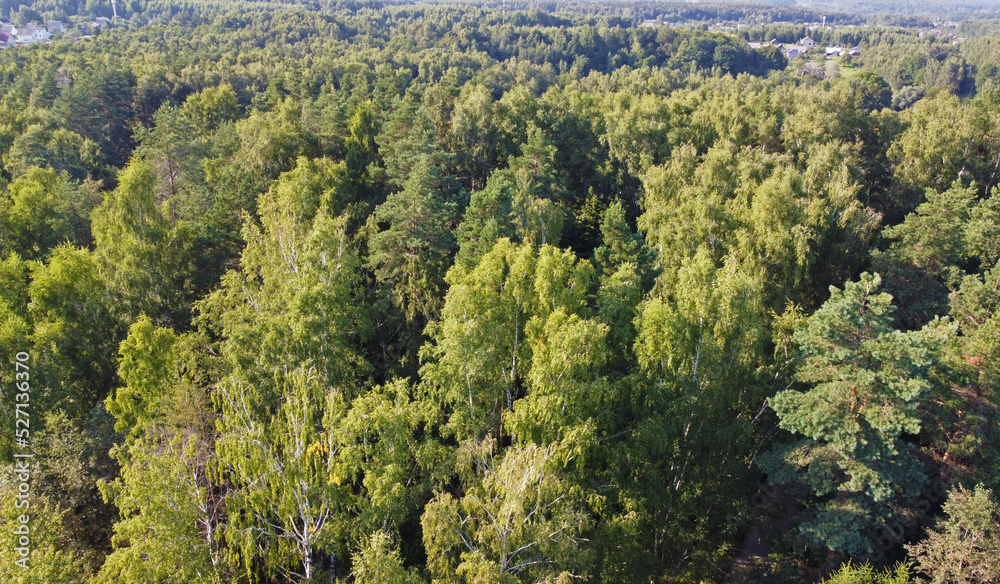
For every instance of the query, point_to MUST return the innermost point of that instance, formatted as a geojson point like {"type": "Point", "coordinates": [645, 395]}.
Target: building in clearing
{"type": "Point", "coordinates": [30, 33]}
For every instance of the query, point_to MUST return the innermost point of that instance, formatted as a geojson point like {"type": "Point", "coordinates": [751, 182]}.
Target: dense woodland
{"type": "Point", "coordinates": [388, 293]}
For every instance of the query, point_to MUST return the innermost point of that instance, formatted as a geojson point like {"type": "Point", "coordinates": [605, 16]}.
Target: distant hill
{"type": "Point", "coordinates": [958, 10]}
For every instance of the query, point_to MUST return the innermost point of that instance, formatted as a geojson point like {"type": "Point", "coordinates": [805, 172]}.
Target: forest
{"type": "Point", "coordinates": [379, 292]}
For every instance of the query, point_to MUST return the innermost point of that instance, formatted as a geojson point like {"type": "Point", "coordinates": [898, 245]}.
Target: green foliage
{"type": "Point", "coordinates": [211, 107]}
{"type": "Point", "coordinates": [51, 560]}
{"type": "Point", "coordinates": [14, 321]}
{"type": "Point", "coordinates": [933, 238]}
{"type": "Point", "coordinates": [517, 525]}
{"type": "Point", "coordinates": [166, 532]}
{"type": "Point", "coordinates": [58, 148]}
{"type": "Point", "coordinates": [482, 351]}
{"type": "Point", "coordinates": [74, 331]}
{"type": "Point", "coordinates": [378, 562]}
{"type": "Point", "coordinates": [283, 511]}
{"type": "Point", "coordinates": [143, 253]}
{"type": "Point", "coordinates": [867, 383]}
{"type": "Point", "coordinates": [294, 298]}
{"type": "Point", "coordinates": [622, 245]}
{"type": "Point", "coordinates": [73, 458]}
{"type": "Point", "coordinates": [866, 574]}
{"type": "Point", "coordinates": [496, 293]}
{"type": "Point", "coordinates": [963, 547]}
{"type": "Point", "coordinates": [41, 210]}
{"type": "Point", "coordinates": [147, 357]}
{"type": "Point", "coordinates": [411, 255]}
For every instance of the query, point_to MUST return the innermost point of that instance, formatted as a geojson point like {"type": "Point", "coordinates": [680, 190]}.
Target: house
{"type": "Point", "coordinates": [807, 42]}
{"type": "Point", "coordinates": [792, 53]}
{"type": "Point", "coordinates": [31, 33]}
{"type": "Point", "coordinates": [7, 28]}
{"type": "Point", "coordinates": [834, 51]}
{"type": "Point", "coordinates": [775, 42]}
{"type": "Point", "coordinates": [54, 27]}
{"type": "Point", "coordinates": [101, 22]}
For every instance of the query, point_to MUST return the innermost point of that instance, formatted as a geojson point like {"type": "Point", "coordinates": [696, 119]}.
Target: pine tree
{"type": "Point", "coordinates": [865, 385]}
{"type": "Point", "coordinates": [412, 254]}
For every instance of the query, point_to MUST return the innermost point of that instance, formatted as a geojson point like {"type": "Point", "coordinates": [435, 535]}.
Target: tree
{"type": "Point", "coordinates": [74, 333]}
{"type": "Point", "coordinates": [98, 106]}
{"type": "Point", "coordinates": [481, 351]}
{"type": "Point", "coordinates": [871, 92]}
{"type": "Point", "coordinates": [51, 560]}
{"type": "Point", "coordinates": [688, 415]}
{"type": "Point", "coordinates": [866, 574]}
{"type": "Point", "coordinates": [143, 254]}
{"type": "Point", "coordinates": [211, 107]}
{"type": "Point", "coordinates": [974, 308]}
{"type": "Point", "coordinates": [564, 385]}
{"type": "Point", "coordinates": [72, 458]}
{"type": "Point", "coordinates": [169, 493]}
{"type": "Point", "coordinates": [167, 528]}
{"type": "Point", "coordinates": [965, 547]}
{"type": "Point", "coordinates": [43, 146]}
{"type": "Point", "coordinates": [291, 322]}
{"type": "Point", "coordinates": [407, 139]}
{"type": "Point", "coordinates": [148, 366]}
{"type": "Point", "coordinates": [15, 322]}
{"type": "Point", "coordinates": [948, 140]}
{"type": "Point", "coordinates": [378, 562]}
{"type": "Point", "coordinates": [933, 238]}
{"type": "Point", "coordinates": [486, 221]}
{"type": "Point", "coordinates": [271, 142]}
{"type": "Point", "coordinates": [412, 254]}
{"type": "Point", "coordinates": [384, 449]}
{"type": "Point", "coordinates": [472, 135]}
{"type": "Point", "coordinates": [295, 302]}
{"type": "Point", "coordinates": [867, 381]}
{"type": "Point", "coordinates": [42, 210]}
{"type": "Point", "coordinates": [284, 507]}
{"type": "Point", "coordinates": [519, 524]}
{"type": "Point", "coordinates": [359, 145]}
{"type": "Point", "coordinates": [176, 155]}
{"type": "Point", "coordinates": [622, 245]}
{"type": "Point", "coordinates": [538, 212]}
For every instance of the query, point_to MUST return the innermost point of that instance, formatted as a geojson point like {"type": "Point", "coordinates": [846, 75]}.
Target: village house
{"type": "Point", "coordinates": [30, 33]}
{"type": "Point", "coordinates": [54, 27]}
{"type": "Point", "coordinates": [790, 51]}
{"type": "Point", "coordinates": [807, 42]}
